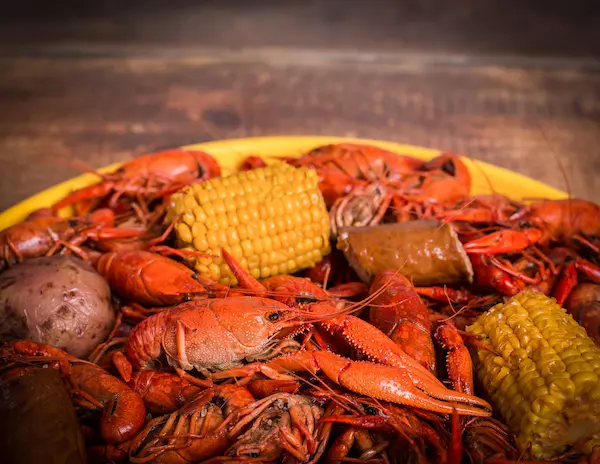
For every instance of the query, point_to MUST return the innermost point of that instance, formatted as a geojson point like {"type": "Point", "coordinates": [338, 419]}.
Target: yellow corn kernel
{"type": "Point", "coordinates": [184, 233]}
{"type": "Point", "coordinates": [201, 243]}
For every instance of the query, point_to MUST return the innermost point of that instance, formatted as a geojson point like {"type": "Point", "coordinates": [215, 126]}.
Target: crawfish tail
{"type": "Point", "coordinates": [163, 393]}
{"type": "Point", "coordinates": [124, 411]}
{"type": "Point", "coordinates": [144, 344]}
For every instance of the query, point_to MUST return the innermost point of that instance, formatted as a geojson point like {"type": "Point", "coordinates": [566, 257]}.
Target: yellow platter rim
{"type": "Point", "coordinates": [229, 152]}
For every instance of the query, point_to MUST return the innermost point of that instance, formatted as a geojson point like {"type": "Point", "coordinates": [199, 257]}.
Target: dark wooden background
{"type": "Point", "coordinates": [515, 83]}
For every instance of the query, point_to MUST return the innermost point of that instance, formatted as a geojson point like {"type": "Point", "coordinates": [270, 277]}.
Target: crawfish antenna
{"type": "Point", "coordinates": [78, 165]}
{"type": "Point", "coordinates": [560, 166]}
{"type": "Point", "coordinates": [557, 159]}
{"type": "Point", "coordinates": [487, 179]}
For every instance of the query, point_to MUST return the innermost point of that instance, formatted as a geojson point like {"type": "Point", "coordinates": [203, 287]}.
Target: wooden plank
{"type": "Point", "coordinates": [106, 110]}
{"type": "Point", "coordinates": [533, 27]}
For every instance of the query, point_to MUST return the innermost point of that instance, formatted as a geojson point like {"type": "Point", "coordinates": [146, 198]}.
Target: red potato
{"type": "Point", "coordinates": [58, 300]}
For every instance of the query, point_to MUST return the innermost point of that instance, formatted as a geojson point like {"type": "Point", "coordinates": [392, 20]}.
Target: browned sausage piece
{"type": "Point", "coordinates": [427, 252]}
{"type": "Point", "coordinates": [37, 419]}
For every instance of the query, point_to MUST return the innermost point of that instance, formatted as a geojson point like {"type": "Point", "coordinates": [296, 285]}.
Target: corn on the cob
{"type": "Point", "coordinates": [273, 220]}
{"type": "Point", "coordinates": [542, 373]}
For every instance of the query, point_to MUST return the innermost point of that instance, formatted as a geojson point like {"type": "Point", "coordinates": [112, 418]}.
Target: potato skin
{"type": "Point", "coordinates": [37, 419]}
{"type": "Point", "coordinates": [58, 300]}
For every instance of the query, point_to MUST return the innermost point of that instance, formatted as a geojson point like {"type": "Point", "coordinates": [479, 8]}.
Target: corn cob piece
{"type": "Point", "coordinates": [542, 373]}
{"type": "Point", "coordinates": [273, 220]}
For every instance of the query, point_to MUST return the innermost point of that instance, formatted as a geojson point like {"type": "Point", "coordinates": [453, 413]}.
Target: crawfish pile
{"type": "Point", "coordinates": [311, 367]}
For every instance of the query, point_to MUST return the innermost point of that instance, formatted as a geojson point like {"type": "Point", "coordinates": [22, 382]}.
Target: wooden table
{"type": "Point", "coordinates": [101, 90]}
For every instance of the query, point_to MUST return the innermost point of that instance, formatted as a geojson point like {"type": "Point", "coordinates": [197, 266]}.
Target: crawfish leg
{"type": "Point", "coordinates": [589, 269]}
{"type": "Point", "coordinates": [193, 380]}
{"type": "Point", "coordinates": [85, 400]}
{"type": "Point", "coordinates": [455, 448]}
{"type": "Point", "coordinates": [458, 359]}
{"type": "Point", "coordinates": [341, 446]}
{"type": "Point", "coordinates": [367, 446]}
{"type": "Point", "coordinates": [515, 272]}
{"type": "Point", "coordinates": [101, 348]}
{"type": "Point", "coordinates": [325, 431]}
{"type": "Point", "coordinates": [446, 295]}
{"type": "Point", "coordinates": [262, 388]}
{"type": "Point", "coordinates": [565, 285]}
{"type": "Point", "coordinates": [354, 436]}
{"type": "Point", "coordinates": [68, 245]}
{"type": "Point", "coordinates": [122, 365]}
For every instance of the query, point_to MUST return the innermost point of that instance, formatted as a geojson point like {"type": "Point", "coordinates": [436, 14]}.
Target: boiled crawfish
{"type": "Point", "coordinates": [567, 221]}
{"type": "Point", "coordinates": [152, 279]}
{"type": "Point", "coordinates": [197, 431]}
{"type": "Point", "coordinates": [397, 310]}
{"type": "Point", "coordinates": [442, 181]}
{"type": "Point", "coordinates": [277, 425]}
{"type": "Point", "coordinates": [209, 334]}
{"type": "Point", "coordinates": [144, 179]}
{"type": "Point", "coordinates": [42, 236]}
{"type": "Point", "coordinates": [419, 384]}
{"type": "Point", "coordinates": [343, 167]}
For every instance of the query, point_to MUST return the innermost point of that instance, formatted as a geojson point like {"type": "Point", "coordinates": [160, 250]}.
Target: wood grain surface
{"type": "Point", "coordinates": [513, 83]}
{"type": "Point", "coordinates": [467, 27]}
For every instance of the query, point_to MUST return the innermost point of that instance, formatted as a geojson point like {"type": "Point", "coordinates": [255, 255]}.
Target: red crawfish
{"type": "Point", "coordinates": [418, 385]}
{"type": "Point", "coordinates": [345, 166]}
{"type": "Point", "coordinates": [152, 279]}
{"type": "Point", "coordinates": [43, 236]}
{"type": "Point", "coordinates": [144, 179]}
{"type": "Point", "coordinates": [398, 311]}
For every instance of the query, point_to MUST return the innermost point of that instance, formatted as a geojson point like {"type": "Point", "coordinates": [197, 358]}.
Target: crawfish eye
{"type": "Point", "coordinates": [449, 168]}
{"type": "Point", "coordinates": [273, 317]}
{"type": "Point", "coordinates": [253, 454]}
{"type": "Point", "coordinates": [371, 411]}
{"type": "Point", "coordinates": [301, 300]}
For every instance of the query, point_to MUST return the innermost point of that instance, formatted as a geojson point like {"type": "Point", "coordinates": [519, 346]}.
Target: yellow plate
{"type": "Point", "coordinates": [230, 153]}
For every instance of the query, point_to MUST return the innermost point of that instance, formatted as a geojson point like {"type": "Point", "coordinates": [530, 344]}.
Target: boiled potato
{"type": "Point", "coordinates": [59, 300]}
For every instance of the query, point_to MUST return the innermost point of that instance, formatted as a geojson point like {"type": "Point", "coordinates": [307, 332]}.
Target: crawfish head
{"type": "Point", "coordinates": [256, 321]}
{"type": "Point", "coordinates": [285, 424]}
{"type": "Point", "coordinates": [212, 333]}
{"type": "Point", "coordinates": [362, 207]}
{"type": "Point", "coordinates": [563, 219]}
{"type": "Point", "coordinates": [187, 435]}
{"type": "Point", "coordinates": [263, 440]}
